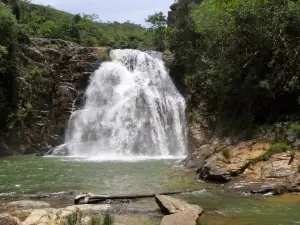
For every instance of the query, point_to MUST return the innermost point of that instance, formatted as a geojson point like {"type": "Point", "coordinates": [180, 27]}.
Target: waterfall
{"type": "Point", "coordinates": [131, 108]}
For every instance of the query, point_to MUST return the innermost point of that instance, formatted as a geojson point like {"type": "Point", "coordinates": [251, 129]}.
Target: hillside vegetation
{"type": "Point", "coordinates": [21, 20]}
{"type": "Point", "coordinates": [44, 21]}
{"type": "Point", "coordinates": [241, 61]}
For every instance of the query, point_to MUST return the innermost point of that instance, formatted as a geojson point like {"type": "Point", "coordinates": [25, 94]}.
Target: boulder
{"type": "Point", "coordinates": [6, 219]}
{"type": "Point", "coordinates": [28, 204]}
{"type": "Point", "coordinates": [182, 218]}
{"type": "Point", "coordinates": [231, 161]}
{"type": "Point", "coordinates": [277, 175]}
{"type": "Point", "coordinates": [169, 205]}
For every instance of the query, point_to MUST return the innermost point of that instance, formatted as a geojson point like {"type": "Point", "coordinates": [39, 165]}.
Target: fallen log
{"type": "Point", "coordinates": [95, 199]}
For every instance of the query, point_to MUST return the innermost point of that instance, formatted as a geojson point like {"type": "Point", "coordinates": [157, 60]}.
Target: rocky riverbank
{"type": "Point", "coordinates": [257, 166]}
{"type": "Point", "coordinates": [41, 213]}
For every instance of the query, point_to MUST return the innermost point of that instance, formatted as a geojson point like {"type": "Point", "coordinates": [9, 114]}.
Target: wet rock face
{"type": "Point", "coordinates": [52, 81]}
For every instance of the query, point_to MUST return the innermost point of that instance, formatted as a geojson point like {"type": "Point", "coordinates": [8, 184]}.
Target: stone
{"type": "Point", "coordinates": [220, 169]}
{"type": "Point", "coordinates": [6, 219]}
{"type": "Point", "coordinates": [170, 205]}
{"type": "Point", "coordinates": [277, 175]}
{"type": "Point", "coordinates": [182, 218]}
{"type": "Point", "coordinates": [28, 204]}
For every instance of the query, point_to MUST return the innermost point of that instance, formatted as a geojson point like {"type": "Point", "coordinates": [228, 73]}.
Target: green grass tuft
{"type": "Point", "coordinates": [108, 219]}
{"type": "Point", "coordinates": [226, 153]}
{"type": "Point", "coordinates": [276, 148]}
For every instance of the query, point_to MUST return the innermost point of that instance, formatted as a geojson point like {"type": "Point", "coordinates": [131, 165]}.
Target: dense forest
{"type": "Point", "coordinates": [240, 61]}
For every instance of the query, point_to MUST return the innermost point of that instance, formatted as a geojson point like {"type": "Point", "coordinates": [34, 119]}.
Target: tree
{"type": "Point", "coordinates": [15, 6]}
{"type": "Point", "coordinates": [158, 23]}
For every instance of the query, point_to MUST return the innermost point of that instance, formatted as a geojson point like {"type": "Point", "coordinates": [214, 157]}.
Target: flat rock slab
{"type": "Point", "coordinates": [182, 218]}
{"type": "Point", "coordinates": [169, 205]}
{"type": "Point", "coordinates": [28, 204]}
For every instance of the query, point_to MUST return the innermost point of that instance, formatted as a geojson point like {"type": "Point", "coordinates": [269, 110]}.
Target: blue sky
{"type": "Point", "coordinates": [112, 10]}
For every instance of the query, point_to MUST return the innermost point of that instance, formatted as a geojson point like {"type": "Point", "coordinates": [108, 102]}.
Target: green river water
{"type": "Point", "coordinates": [20, 176]}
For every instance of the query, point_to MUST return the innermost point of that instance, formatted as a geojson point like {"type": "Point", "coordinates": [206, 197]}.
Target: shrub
{"type": "Point", "coordinates": [226, 153]}
{"type": "Point", "coordinates": [108, 219]}
{"type": "Point", "coordinates": [74, 218]}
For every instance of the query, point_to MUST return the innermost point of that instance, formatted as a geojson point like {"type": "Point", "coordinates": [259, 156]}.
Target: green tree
{"type": "Point", "coordinates": [15, 6]}
{"type": "Point", "coordinates": [8, 58]}
{"type": "Point", "coordinates": [245, 59]}
{"type": "Point", "coordinates": [158, 23]}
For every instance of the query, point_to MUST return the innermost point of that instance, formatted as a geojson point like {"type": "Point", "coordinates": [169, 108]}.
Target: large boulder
{"type": "Point", "coordinates": [169, 205]}
{"type": "Point", "coordinates": [277, 175]}
{"type": "Point", "coordinates": [231, 161]}
{"type": "Point", "coordinates": [6, 219]}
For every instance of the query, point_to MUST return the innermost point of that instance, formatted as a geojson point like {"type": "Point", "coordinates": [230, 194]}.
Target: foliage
{"type": "Point", "coordinates": [274, 149]}
{"type": "Point", "coordinates": [241, 59]}
{"type": "Point", "coordinates": [158, 23]}
{"type": "Point", "coordinates": [108, 219]}
{"type": "Point", "coordinates": [8, 58]}
{"type": "Point", "coordinates": [87, 30]}
{"type": "Point", "coordinates": [293, 131]}
{"type": "Point", "coordinates": [199, 222]}
{"type": "Point", "coordinates": [76, 219]}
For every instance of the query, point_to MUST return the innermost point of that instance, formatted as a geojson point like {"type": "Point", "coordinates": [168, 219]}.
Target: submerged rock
{"type": "Point", "coordinates": [169, 205]}
{"type": "Point", "coordinates": [28, 204]}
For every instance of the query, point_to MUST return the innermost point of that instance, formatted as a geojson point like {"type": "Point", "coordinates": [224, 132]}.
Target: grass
{"type": "Point", "coordinates": [274, 149]}
{"type": "Point", "coordinates": [76, 219]}
{"type": "Point", "coordinates": [108, 220]}
{"type": "Point", "coordinates": [226, 153]}
{"type": "Point", "coordinates": [199, 222]}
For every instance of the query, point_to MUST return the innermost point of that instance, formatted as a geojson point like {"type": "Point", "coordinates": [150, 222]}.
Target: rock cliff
{"type": "Point", "coordinates": [51, 82]}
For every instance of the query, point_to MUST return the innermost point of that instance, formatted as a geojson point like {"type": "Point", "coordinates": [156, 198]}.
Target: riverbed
{"type": "Point", "coordinates": [29, 175]}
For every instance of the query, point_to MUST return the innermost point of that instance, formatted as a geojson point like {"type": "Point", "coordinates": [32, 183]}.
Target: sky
{"type": "Point", "coordinates": [112, 10]}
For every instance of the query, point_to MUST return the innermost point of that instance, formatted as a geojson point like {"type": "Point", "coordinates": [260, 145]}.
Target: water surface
{"type": "Point", "coordinates": [28, 175]}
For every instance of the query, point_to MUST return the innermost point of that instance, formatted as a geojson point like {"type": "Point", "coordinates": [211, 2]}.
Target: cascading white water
{"type": "Point", "coordinates": [132, 108]}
